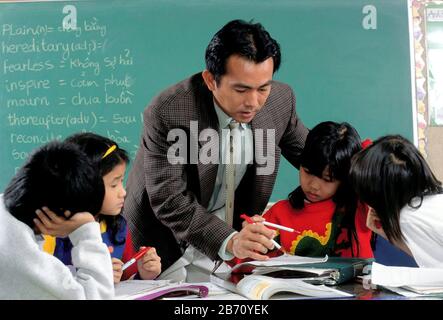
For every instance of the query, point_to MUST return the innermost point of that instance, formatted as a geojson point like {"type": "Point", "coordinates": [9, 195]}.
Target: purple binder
{"type": "Point", "coordinates": [177, 291]}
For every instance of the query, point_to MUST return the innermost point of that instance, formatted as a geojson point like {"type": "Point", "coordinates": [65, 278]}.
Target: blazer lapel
{"type": "Point", "coordinates": [207, 119]}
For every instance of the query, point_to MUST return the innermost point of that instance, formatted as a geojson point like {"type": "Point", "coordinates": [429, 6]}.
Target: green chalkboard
{"type": "Point", "coordinates": [347, 60]}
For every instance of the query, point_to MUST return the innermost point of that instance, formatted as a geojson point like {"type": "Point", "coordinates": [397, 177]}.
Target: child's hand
{"type": "Point", "coordinates": [255, 218]}
{"type": "Point", "coordinates": [149, 266]}
{"type": "Point", "coordinates": [117, 269]}
{"type": "Point", "coordinates": [51, 224]}
{"type": "Point", "coordinates": [374, 224]}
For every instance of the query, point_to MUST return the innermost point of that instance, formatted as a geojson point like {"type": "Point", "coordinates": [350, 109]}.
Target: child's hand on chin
{"type": "Point", "coordinates": [50, 224]}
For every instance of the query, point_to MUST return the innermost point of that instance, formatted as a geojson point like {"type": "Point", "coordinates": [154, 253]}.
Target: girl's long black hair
{"type": "Point", "coordinates": [95, 146]}
{"type": "Point", "coordinates": [389, 175]}
{"type": "Point", "coordinates": [330, 145]}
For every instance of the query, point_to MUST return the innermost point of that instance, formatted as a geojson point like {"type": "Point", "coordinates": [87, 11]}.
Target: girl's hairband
{"type": "Point", "coordinates": [366, 143]}
{"type": "Point", "coordinates": [109, 151]}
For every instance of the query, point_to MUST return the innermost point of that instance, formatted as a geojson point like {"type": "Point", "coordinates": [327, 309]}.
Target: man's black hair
{"type": "Point", "coordinates": [246, 39]}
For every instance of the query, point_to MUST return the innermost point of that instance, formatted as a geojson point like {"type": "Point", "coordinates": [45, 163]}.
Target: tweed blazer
{"type": "Point", "coordinates": [166, 203]}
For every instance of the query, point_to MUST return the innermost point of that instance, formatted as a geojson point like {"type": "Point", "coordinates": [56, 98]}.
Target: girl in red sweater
{"type": "Point", "coordinates": [324, 209]}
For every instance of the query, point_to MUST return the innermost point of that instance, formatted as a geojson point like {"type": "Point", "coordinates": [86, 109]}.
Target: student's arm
{"type": "Point", "coordinates": [91, 258]}
{"type": "Point", "coordinates": [93, 278]}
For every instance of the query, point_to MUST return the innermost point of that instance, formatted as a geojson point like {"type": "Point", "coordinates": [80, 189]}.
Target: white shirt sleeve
{"type": "Point", "coordinates": [423, 231]}
{"type": "Point", "coordinates": [225, 255]}
{"type": "Point", "coordinates": [91, 258]}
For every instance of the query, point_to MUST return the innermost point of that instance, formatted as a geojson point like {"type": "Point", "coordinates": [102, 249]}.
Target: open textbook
{"type": "Point", "coordinates": [258, 287]}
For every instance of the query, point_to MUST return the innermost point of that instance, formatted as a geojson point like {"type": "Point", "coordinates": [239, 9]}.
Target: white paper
{"type": "Point", "coordinates": [403, 292]}
{"type": "Point", "coordinates": [405, 276]}
{"type": "Point", "coordinates": [283, 260]}
{"type": "Point", "coordinates": [267, 270]}
{"type": "Point", "coordinates": [131, 288]}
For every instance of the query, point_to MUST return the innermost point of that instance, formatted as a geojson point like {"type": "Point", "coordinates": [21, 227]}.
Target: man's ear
{"type": "Point", "coordinates": [209, 79]}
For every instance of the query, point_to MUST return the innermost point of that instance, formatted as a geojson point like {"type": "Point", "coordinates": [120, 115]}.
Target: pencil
{"type": "Point", "coordinates": [277, 226]}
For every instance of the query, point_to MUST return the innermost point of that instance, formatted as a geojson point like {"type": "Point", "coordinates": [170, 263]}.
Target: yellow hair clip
{"type": "Point", "coordinates": [109, 151]}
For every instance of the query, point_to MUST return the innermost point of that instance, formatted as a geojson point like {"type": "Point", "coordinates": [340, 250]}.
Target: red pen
{"type": "Point", "coordinates": [249, 220]}
{"type": "Point", "coordinates": [137, 256]}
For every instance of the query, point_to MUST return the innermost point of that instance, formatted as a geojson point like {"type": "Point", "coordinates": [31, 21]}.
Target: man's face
{"type": "Point", "coordinates": [243, 89]}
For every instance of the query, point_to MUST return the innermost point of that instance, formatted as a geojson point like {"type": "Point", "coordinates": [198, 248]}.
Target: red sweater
{"type": "Point", "coordinates": [319, 231]}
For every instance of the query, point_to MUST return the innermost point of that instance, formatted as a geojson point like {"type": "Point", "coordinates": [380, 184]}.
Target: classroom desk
{"type": "Point", "coordinates": [360, 293]}
{"type": "Point", "coordinates": [355, 288]}
{"type": "Point", "coordinates": [366, 292]}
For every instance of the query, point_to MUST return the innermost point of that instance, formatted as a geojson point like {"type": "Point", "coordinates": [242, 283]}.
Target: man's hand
{"type": "Point", "coordinates": [50, 224]}
{"type": "Point", "coordinates": [149, 266]}
{"type": "Point", "coordinates": [255, 218]}
{"type": "Point", "coordinates": [253, 241]}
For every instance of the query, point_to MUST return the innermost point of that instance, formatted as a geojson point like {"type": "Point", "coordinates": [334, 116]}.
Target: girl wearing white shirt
{"type": "Point", "coordinates": [405, 198]}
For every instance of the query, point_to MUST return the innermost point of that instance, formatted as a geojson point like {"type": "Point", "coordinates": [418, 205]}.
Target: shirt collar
{"type": "Point", "coordinates": [224, 119]}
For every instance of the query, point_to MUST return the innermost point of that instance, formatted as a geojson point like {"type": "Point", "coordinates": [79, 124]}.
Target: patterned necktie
{"type": "Point", "coordinates": [230, 175]}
